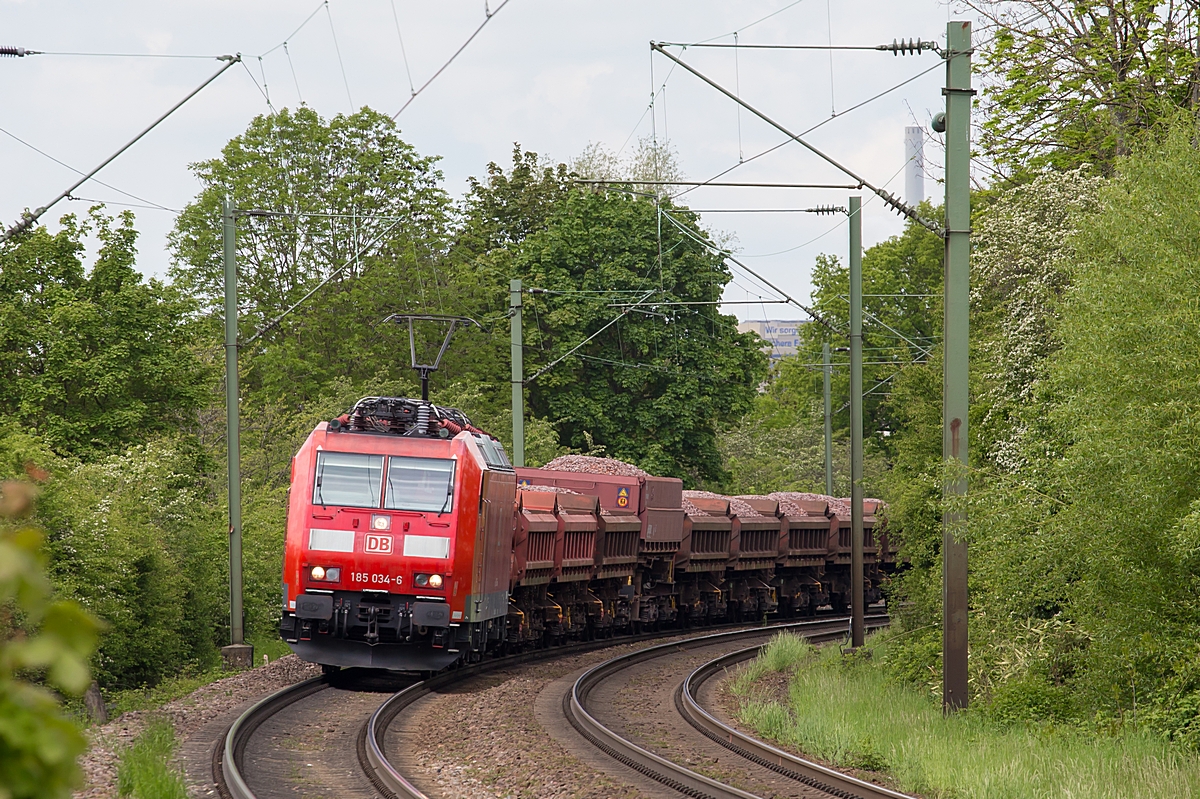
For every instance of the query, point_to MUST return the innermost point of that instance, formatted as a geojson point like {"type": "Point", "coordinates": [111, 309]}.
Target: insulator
{"type": "Point", "coordinates": [901, 47]}
{"type": "Point", "coordinates": [15, 52]}
{"type": "Point", "coordinates": [423, 418]}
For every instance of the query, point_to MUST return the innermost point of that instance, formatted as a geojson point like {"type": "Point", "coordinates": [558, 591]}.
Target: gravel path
{"type": "Point", "coordinates": [191, 715]}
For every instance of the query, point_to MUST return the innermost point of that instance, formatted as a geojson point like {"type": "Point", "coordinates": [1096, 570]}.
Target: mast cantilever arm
{"type": "Point", "coordinates": [891, 200]}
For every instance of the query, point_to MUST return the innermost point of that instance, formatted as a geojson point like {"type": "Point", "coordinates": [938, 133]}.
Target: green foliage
{"type": "Point", "coordinates": [1083, 82]}
{"type": "Point", "coordinates": [145, 771]}
{"type": "Point", "coordinates": [93, 361]}
{"type": "Point", "coordinates": [651, 388]}
{"type": "Point", "coordinates": [356, 186]}
{"type": "Point", "coordinates": [1133, 466]}
{"type": "Point", "coordinates": [38, 636]}
{"type": "Point", "coordinates": [136, 540]}
{"type": "Point", "coordinates": [1083, 487]}
{"type": "Point", "coordinates": [902, 285]}
{"type": "Point", "coordinates": [762, 455]}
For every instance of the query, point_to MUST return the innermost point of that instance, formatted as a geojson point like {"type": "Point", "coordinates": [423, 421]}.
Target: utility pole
{"type": "Point", "coordinates": [828, 423]}
{"type": "Point", "coordinates": [955, 365]}
{"type": "Point", "coordinates": [518, 372]}
{"type": "Point", "coordinates": [856, 426]}
{"type": "Point", "coordinates": [238, 654]}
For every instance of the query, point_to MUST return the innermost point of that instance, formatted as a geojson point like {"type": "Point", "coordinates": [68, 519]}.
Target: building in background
{"type": "Point", "coordinates": [782, 336]}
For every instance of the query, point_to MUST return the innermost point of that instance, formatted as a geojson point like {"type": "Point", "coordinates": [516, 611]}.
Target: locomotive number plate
{"type": "Point", "coordinates": [367, 578]}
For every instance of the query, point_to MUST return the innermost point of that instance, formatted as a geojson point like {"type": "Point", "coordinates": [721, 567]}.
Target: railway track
{"type": "Point", "coordinates": [651, 746]}
{"type": "Point", "coordinates": [314, 699]}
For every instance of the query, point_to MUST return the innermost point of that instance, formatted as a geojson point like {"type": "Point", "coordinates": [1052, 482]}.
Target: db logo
{"type": "Point", "coordinates": [379, 544]}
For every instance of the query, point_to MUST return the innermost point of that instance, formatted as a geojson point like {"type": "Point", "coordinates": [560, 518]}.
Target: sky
{"type": "Point", "coordinates": [552, 75]}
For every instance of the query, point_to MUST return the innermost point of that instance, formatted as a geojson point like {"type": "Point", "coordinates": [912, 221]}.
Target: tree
{"type": "Point", "coordinates": [902, 284]}
{"type": "Point", "coordinates": [626, 365]}
{"type": "Point", "coordinates": [94, 360]}
{"type": "Point", "coordinates": [346, 200]}
{"type": "Point", "coordinates": [1081, 82]}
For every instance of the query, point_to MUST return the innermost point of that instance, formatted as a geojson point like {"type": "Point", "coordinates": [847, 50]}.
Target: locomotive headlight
{"type": "Point", "coordinates": [318, 572]}
{"type": "Point", "coordinates": [422, 579]}
{"type": "Point", "coordinates": [381, 522]}
{"type": "Point", "coordinates": [435, 581]}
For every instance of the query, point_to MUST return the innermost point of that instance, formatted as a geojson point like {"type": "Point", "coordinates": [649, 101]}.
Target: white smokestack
{"type": "Point", "coordinates": [914, 165]}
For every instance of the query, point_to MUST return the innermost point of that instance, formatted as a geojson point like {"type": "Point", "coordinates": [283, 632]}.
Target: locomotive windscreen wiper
{"type": "Point", "coordinates": [449, 494]}
{"type": "Point", "coordinates": [320, 474]}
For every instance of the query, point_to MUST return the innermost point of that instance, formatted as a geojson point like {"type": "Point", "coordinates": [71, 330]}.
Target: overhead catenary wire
{"type": "Point", "coordinates": [571, 351]}
{"type": "Point", "coordinates": [338, 50]}
{"type": "Point", "coordinates": [698, 183]}
{"type": "Point", "coordinates": [30, 217]}
{"type": "Point", "coordinates": [149, 203]}
{"type": "Point", "coordinates": [124, 205]}
{"type": "Point", "coordinates": [403, 53]}
{"type": "Point", "coordinates": [899, 46]}
{"type": "Point", "coordinates": [777, 11]}
{"type": "Point", "coordinates": [890, 200]}
{"type": "Point", "coordinates": [728, 256]}
{"type": "Point", "coordinates": [809, 130]}
{"type": "Point", "coordinates": [817, 238]}
{"type": "Point", "coordinates": [353, 259]}
{"type": "Point", "coordinates": [299, 28]}
{"type": "Point", "coordinates": [487, 18]}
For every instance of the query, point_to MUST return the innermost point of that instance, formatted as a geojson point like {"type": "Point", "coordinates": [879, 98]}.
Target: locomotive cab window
{"type": "Point", "coordinates": [493, 453]}
{"type": "Point", "coordinates": [421, 484]}
{"type": "Point", "coordinates": [347, 478]}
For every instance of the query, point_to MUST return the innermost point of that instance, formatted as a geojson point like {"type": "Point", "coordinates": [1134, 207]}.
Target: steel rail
{"type": "Point", "coordinates": [229, 768]}
{"type": "Point", "coordinates": [388, 779]}
{"type": "Point", "coordinates": [803, 771]}
{"type": "Point", "coordinates": [654, 766]}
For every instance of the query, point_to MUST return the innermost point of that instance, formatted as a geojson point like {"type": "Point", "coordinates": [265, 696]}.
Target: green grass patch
{"type": "Point", "coordinates": [145, 769]}
{"type": "Point", "coordinates": [847, 712]}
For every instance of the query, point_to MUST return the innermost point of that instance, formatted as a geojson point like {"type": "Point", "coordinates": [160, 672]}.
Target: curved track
{"type": "Point", "coordinates": [763, 765]}
{"type": "Point", "coordinates": [228, 759]}
{"type": "Point", "coordinates": [796, 768]}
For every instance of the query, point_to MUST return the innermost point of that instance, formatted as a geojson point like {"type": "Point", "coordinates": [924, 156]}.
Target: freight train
{"type": "Point", "coordinates": [413, 543]}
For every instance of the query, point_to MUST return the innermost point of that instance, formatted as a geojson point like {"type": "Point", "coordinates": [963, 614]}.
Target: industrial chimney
{"type": "Point", "coordinates": [914, 165]}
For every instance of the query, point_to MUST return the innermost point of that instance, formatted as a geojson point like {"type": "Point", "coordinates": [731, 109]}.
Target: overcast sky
{"type": "Point", "coordinates": [553, 75]}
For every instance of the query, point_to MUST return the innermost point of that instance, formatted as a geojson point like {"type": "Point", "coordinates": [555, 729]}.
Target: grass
{"type": "Point", "coordinates": [145, 769]}
{"type": "Point", "coordinates": [847, 712]}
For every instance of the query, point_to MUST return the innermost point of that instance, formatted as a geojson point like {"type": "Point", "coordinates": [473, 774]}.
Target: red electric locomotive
{"type": "Point", "coordinates": [399, 539]}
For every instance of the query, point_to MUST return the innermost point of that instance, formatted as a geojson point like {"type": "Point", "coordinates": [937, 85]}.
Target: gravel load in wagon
{"type": "Point", "coordinates": [789, 501]}
{"type": "Point", "coordinates": [739, 507]}
{"type": "Point", "coordinates": [592, 465]}
{"type": "Point", "coordinates": [549, 489]}
{"type": "Point", "coordinates": [690, 509]}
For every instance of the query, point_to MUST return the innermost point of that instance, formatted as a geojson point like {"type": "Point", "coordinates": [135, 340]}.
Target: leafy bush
{"type": "Point", "coordinates": [135, 541]}
{"type": "Point", "coordinates": [38, 636]}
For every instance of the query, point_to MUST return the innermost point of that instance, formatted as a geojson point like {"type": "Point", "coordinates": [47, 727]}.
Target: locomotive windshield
{"type": "Point", "coordinates": [346, 478]}
{"type": "Point", "coordinates": [422, 484]}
